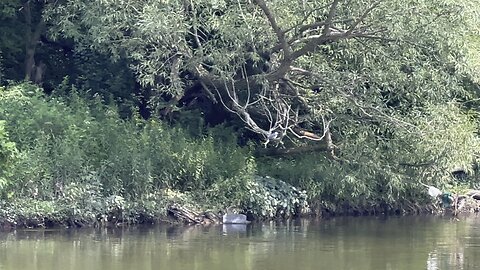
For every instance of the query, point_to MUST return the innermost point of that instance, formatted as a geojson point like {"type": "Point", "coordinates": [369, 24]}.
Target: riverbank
{"type": "Point", "coordinates": [72, 161]}
{"type": "Point", "coordinates": [283, 201]}
{"type": "Point", "coordinates": [82, 205]}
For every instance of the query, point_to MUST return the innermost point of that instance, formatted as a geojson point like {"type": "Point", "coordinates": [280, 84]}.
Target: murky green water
{"type": "Point", "coordinates": [345, 243]}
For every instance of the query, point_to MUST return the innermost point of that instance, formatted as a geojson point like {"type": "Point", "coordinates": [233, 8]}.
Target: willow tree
{"type": "Point", "coordinates": [354, 77]}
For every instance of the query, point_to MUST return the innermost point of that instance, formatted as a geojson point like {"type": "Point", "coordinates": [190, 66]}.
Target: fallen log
{"type": "Point", "coordinates": [192, 217]}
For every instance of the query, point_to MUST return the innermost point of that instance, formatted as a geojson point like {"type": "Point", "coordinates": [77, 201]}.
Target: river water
{"type": "Point", "coordinates": [342, 243]}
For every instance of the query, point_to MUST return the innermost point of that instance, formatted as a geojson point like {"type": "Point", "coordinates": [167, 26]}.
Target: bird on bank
{"type": "Point", "coordinates": [450, 200]}
{"type": "Point", "coordinates": [433, 191]}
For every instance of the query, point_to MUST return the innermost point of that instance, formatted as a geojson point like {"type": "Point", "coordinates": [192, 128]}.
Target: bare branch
{"type": "Point", "coordinates": [195, 28]}
{"type": "Point", "coordinates": [301, 71]}
{"type": "Point", "coordinates": [290, 151]}
{"type": "Point", "coordinates": [209, 93]}
{"type": "Point", "coordinates": [311, 136]}
{"type": "Point", "coordinates": [276, 110]}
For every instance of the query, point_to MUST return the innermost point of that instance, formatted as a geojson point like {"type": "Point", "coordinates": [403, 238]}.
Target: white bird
{"type": "Point", "coordinates": [433, 191]}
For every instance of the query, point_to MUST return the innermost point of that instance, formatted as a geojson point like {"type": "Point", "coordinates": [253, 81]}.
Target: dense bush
{"type": "Point", "coordinates": [269, 198]}
{"type": "Point", "coordinates": [382, 168]}
{"type": "Point", "coordinates": [63, 141]}
{"type": "Point", "coordinates": [77, 161]}
{"type": "Point", "coordinates": [7, 154]}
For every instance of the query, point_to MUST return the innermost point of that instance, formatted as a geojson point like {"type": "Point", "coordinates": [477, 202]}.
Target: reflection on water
{"type": "Point", "coordinates": [234, 228]}
{"type": "Point", "coordinates": [343, 243]}
{"type": "Point", "coordinates": [452, 260]}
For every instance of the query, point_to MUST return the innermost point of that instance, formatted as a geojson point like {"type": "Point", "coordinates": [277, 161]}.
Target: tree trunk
{"type": "Point", "coordinates": [32, 38]}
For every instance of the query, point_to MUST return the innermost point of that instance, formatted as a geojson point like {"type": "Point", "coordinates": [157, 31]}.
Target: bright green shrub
{"type": "Point", "coordinates": [8, 152]}
{"type": "Point", "coordinates": [65, 141]}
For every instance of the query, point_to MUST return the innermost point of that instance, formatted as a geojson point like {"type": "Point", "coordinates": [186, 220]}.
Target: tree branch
{"type": "Point", "coordinates": [329, 20]}
{"type": "Point", "coordinates": [320, 24]}
{"type": "Point", "coordinates": [330, 33]}
{"type": "Point", "coordinates": [276, 28]}
{"type": "Point", "coordinates": [305, 18]}
{"type": "Point", "coordinates": [362, 17]}
{"type": "Point", "coordinates": [291, 151]}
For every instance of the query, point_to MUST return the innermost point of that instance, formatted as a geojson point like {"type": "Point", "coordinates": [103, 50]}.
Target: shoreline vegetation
{"type": "Point", "coordinates": [70, 162]}
{"type": "Point", "coordinates": [174, 208]}
{"type": "Point", "coordinates": [139, 111]}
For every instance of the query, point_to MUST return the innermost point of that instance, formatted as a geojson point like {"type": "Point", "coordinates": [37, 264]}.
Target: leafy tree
{"type": "Point", "coordinates": [286, 69]}
{"type": "Point", "coordinates": [28, 53]}
{"type": "Point", "coordinates": [383, 87]}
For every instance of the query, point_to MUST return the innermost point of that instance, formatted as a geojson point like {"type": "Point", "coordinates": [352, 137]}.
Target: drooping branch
{"type": "Point", "coordinates": [276, 97]}
{"type": "Point", "coordinates": [367, 111]}
{"type": "Point", "coordinates": [174, 82]}
{"type": "Point", "coordinates": [195, 29]}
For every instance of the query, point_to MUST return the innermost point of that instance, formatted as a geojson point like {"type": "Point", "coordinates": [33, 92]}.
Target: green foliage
{"type": "Point", "coordinates": [413, 55]}
{"type": "Point", "coordinates": [81, 163]}
{"type": "Point", "coordinates": [82, 201]}
{"type": "Point", "coordinates": [8, 153]}
{"type": "Point", "coordinates": [382, 167]}
{"type": "Point", "coordinates": [231, 191]}
{"type": "Point", "coordinates": [393, 93]}
{"type": "Point", "coordinates": [65, 141]}
{"type": "Point", "coordinates": [446, 139]}
{"type": "Point", "coordinates": [82, 205]}
{"type": "Point", "coordinates": [269, 198]}
{"type": "Point", "coordinates": [29, 212]}
{"type": "Point", "coordinates": [97, 165]}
